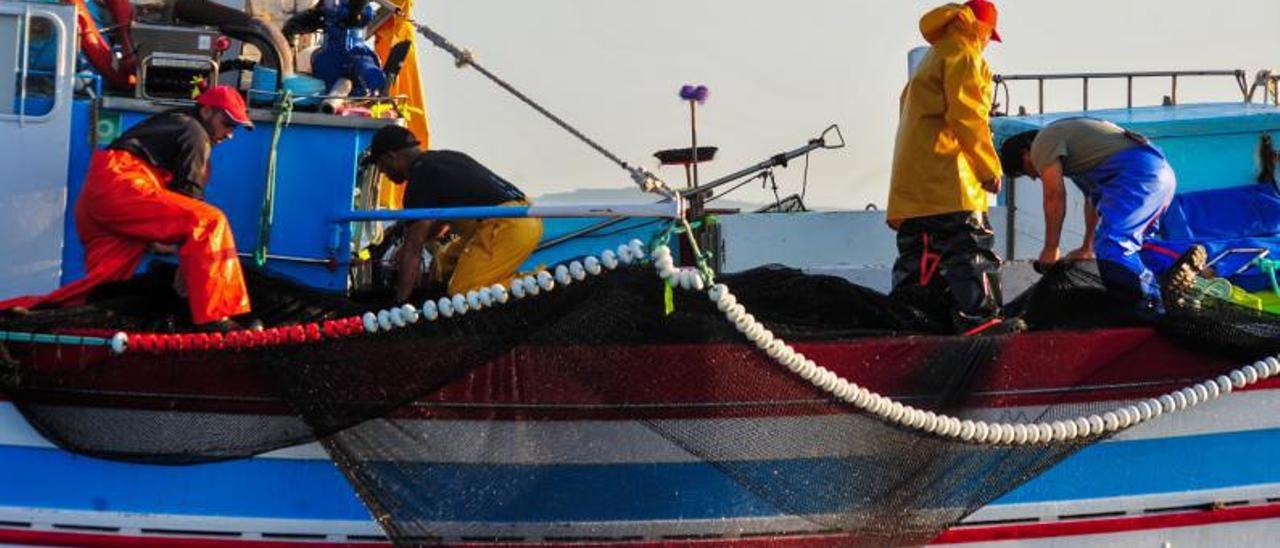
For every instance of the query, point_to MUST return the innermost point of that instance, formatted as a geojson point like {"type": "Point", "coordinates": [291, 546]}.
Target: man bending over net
{"type": "Point", "coordinates": [485, 251]}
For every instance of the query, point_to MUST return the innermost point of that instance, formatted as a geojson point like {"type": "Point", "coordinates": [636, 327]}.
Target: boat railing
{"type": "Point", "coordinates": [1085, 78]}
{"type": "Point", "coordinates": [1269, 83]}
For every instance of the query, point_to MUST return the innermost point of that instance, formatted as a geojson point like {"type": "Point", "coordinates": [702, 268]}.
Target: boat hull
{"type": "Point", "coordinates": [572, 467]}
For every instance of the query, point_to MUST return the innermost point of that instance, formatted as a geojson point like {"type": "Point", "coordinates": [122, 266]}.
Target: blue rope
{"type": "Point", "coordinates": [46, 338]}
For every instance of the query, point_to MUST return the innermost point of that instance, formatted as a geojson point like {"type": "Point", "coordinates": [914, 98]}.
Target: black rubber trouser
{"type": "Point", "coordinates": [955, 250]}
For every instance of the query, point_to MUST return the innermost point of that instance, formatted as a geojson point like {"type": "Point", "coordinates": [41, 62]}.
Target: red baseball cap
{"type": "Point", "coordinates": [229, 100]}
{"type": "Point", "coordinates": [986, 12]}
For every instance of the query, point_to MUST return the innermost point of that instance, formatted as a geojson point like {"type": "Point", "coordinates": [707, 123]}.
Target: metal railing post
{"type": "Point", "coordinates": [1011, 218]}
{"type": "Point", "coordinates": [1041, 83]}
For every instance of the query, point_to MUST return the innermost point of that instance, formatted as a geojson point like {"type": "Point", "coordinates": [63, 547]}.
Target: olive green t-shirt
{"type": "Point", "coordinates": [1081, 143]}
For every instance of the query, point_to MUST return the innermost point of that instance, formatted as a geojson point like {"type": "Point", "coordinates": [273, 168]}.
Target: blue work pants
{"type": "Point", "coordinates": [1131, 190]}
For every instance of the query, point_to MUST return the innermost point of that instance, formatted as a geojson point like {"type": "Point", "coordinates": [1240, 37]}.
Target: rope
{"type": "Point", "coordinates": [1269, 267]}
{"type": "Point", "coordinates": [284, 114]}
{"type": "Point", "coordinates": [118, 342]}
{"type": "Point", "coordinates": [896, 413]}
{"type": "Point", "coordinates": [464, 58]}
{"type": "Point", "coordinates": [964, 430]}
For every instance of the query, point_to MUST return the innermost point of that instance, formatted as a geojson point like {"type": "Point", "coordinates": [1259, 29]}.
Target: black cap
{"type": "Point", "coordinates": [1011, 153]}
{"type": "Point", "coordinates": [388, 139]}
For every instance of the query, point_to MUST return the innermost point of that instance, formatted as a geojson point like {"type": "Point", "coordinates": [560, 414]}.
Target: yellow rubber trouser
{"type": "Point", "coordinates": [486, 252]}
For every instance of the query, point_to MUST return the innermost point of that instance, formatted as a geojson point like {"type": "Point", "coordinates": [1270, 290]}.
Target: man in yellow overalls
{"type": "Point", "coordinates": [485, 251]}
{"type": "Point", "coordinates": [944, 164]}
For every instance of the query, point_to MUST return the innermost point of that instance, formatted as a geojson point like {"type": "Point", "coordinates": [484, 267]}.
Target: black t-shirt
{"type": "Point", "coordinates": [174, 141]}
{"type": "Point", "coordinates": [445, 178]}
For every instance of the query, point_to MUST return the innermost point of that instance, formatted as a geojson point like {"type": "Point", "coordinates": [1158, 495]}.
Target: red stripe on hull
{"type": "Point", "coordinates": [1025, 532]}
{"type": "Point", "coordinates": [702, 380]}
{"type": "Point", "coordinates": [107, 540]}
{"type": "Point", "coordinates": [1108, 525]}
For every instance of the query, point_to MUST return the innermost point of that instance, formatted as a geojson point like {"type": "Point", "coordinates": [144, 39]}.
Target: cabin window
{"type": "Point", "coordinates": [30, 45]}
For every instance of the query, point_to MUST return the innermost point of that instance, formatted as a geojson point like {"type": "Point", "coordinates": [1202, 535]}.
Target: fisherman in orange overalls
{"type": "Point", "coordinates": [143, 193]}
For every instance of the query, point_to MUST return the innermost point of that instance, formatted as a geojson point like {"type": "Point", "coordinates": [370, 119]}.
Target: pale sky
{"type": "Point", "coordinates": [779, 72]}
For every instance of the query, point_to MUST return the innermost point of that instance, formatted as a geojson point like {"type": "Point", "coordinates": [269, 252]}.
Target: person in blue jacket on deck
{"type": "Point", "coordinates": [1128, 184]}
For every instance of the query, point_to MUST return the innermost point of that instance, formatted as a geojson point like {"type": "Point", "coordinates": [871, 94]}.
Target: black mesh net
{"type": "Point", "coordinates": [506, 413]}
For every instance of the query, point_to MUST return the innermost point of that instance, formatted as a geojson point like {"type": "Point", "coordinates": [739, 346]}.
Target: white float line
{"type": "Point", "coordinates": [496, 294]}
{"type": "Point", "coordinates": [980, 432]}
{"type": "Point", "coordinates": [459, 304]}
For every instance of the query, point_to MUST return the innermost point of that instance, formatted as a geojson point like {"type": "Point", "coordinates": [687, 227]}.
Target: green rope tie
{"type": "Point", "coordinates": [1269, 267]}
{"type": "Point", "coordinates": [701, 258]}
{"type": "Point", "coordinates": [284, 114]}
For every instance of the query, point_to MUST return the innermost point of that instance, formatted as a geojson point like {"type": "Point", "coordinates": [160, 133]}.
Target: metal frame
{"type": "Point", "coordinates": [780, 159]}
{"type": "Point", "coordinates": [1002, 80]}
{"type": "Point", "coordinates": [1256, 252]}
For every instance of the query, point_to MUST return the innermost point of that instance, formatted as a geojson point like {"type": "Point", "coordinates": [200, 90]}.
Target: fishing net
{"type": "Point", "coordinates": [598, 412]}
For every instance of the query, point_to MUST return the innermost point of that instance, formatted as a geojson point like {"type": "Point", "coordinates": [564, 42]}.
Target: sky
{"type": "Point", "coordinates": [778, 73]}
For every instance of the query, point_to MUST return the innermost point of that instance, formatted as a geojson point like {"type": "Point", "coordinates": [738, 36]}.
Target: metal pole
{"type": "Point", "coordinates": [580, 232]}
{"type": "Point", "coordinates": [695, 197]}
{"type": "Point", "coordinates": [693, 139]}
{"type": "Point", "coordinates": [1129, 103]}
{"type": "Point", "coordinates": [776, 160]}
{"type": "Point", "coordinates": [1011, 209]}
{"type": "Point", "coordinates": [1085, 80]}
{"type": "Point", "coordinates": [1174, 95]}
{"type": "Point", "coordinates": [663, 209]}
{"type": "Point", "coordinates": [1041, 85]}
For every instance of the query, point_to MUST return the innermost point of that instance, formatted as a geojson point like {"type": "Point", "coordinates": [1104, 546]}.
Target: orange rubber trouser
{"type": "Point", "coordinates": [123, 207]}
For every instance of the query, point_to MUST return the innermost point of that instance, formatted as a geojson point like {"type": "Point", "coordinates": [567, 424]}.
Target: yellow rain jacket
{"type": "Point", "coordinates": [944, 149]}
{"type": "Point", "coordinates": [408, 83]}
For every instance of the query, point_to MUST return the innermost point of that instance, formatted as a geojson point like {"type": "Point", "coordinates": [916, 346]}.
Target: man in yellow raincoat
{"type": "Point", "coordinates": [944, 164]}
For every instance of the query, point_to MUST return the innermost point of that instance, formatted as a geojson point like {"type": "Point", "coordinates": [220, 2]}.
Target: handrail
{"type": "Point", "coordinates": [1002, 80]}
{"type": "Point", "coordinates": [667, 209]}
{"type": "Point", "coordinates": [1270, 84]}
{"type": "Point", "coordinates": [25, 52]}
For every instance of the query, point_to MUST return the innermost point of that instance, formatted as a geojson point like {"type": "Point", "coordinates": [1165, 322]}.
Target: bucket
{"type": "Point", "coordinates": [262, 90]}
{"type": "Point", "coordinates": [306, 90]}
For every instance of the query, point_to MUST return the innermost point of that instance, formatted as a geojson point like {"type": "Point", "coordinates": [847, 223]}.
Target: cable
{"type": "Point", "coordinates": [804, 182]}
{"type": "Point", "coordinates": [647, 181]}
{"type": "Point", "coordinates": [737, 186]}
